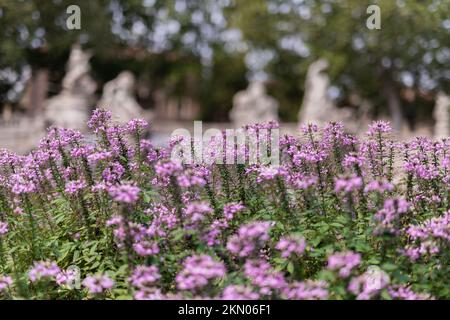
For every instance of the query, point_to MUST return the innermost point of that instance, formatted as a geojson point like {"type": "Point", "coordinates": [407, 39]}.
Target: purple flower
{"type": "Point", "coordinates": [67, 277]}
{"type": "Point", "coordinates": [136, 124]}
{"type": "Point", "coordinates": [98, 283]}
{"type": "Point", "coordinates": [249, 238]}
{"type": "Point", "coordinates": [197, 212]}
{"type": "Point", "coordinates": [212, 234]}
{"type": "Point", "coordinates": [198, 271]}
{"type": "Point", "coordinates": [379, 128]}
{"type": "Point", "coordinates": [144, 277]}
{"type": "Point", "coordinates": [351, 160]}
{"type": "Point", "coordinates": [98, 156]}
{"type": "Point", "coordinates": [311, 154]}
{"type": "Point", "coordinates": [73, 187]}
{"type": "Point", "coordinates": [308, 290]}
{"type": "Point", "coordinates": [291, 246]}
{"type": "Point", "coordinates": [266, 173]}
{"type": "Point", "coordinates": [301, 181]}
{"type": "Point", "coordinates": [347, 184]}
{"type": "Point", "coordinates": [193, 177]}
{"type": "Point", "coordinates": [307, 128]}
{"type": "Point", "coordinates": [344, 262]}
{"type": "Point", "coordinates": [378, 186]}
{"type": "Point", "coordinates": [168, 168]}
{"type": "Point", "coordinates": [81, 151]}
{"type": "Point", "coordinates": [164, 219]}
{"type": "Point", "coordinates": [405, 293]}
{"type": "Point", "coordinates": [150, 293]}
{"type": "Point", "coordinates": [99, 120]}
{"type": "Point", "coordinates": [368, 285]}
{"type": "Point", "coordinates": [44, 270]}
{"type": "Point", "coordinates": [21, 184]}
{"type": "Point", "coordinates": [415, 252]}
{"type": "Point", "coordinates": [113, 172]}
{"type": "Point", "coordinates": [437, 227]}
{"type": "Point", "coordinates": [428, 238]}
{"type": "Point", "coordinates": [239, 292]}
{"type": "Point", "coordinates": [5, 283]}
{"type": "Point", "coordinates": [230, 210]}
{"type": "Point", "coordinates": [389, 216]}
{"type": "Point", "coordinates": [146, 248]}
{"type": "Point", "coordinates": [124, 193]}
{"type": "Point", "coordinates": [264, 277]}
{"type": "Point", "coordinates": [3, 228]}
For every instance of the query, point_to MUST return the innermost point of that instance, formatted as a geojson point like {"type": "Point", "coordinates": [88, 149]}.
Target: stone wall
{"type": "Point", "coordinates": [21, 135]}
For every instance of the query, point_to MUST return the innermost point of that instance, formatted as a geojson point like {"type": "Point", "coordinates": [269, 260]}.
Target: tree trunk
{"type": "Point", "coordinates": [36, 92]}
{"type": "Point", "coordinates": [394, 105]}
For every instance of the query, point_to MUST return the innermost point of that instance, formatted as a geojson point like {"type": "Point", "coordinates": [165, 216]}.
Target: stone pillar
{"type": "Point", "coordinates": [441, 116]}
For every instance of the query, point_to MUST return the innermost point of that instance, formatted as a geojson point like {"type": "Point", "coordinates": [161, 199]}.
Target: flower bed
{"type": "Point", "coordinates": [119, 219]}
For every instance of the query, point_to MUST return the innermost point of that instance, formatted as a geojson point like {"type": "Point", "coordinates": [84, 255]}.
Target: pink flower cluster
{"type": "Point", "coordinates": [345, 262]}
{"type": "Point", "coordinates": [171, 230]}
{"type": "Point", "coordinates": [429, 238]}
{"type": "Point", "coordinates": [291, 246]}
{"type": "Point", "coordinates": [44, 270]}
{"type": "Point", "coordinates": [388, 217]}
{"type": "Point", "coordinates": [3, 228]}
{"type": "Point", "coordinates": [347, 185]}
{"type": "Point", "coordinates": [308, 290]}
{"type": "Point", "coordinates": [368, 285]}
{"type": "Point", "coordinates": [197, 212]}
{"type": "Point", "coordinates": [249, 238]}
{"type": "Point", "coordinates": [239, 292]}
{"type": "Point", "coordinates": [98, 284]}
{"type": "Point", "coordinates": [263, 276]}
{"type": "Point", "coordinates": [198, 271]}
{"type": "Point", "coordinates": [405, 293]}
{"type": "Point", "coordinates": [231, 209]}
{"type": "Point", "coordinates": [126, 193]}
{"type": "Point", "coordinates": [5, 283]}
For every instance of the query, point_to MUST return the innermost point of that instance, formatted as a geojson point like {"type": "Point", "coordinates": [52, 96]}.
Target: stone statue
{"type": "Point", "coordinates": [118, 97]}
{"type": "Point", "coordinates": [253, 105]}
{"type": "Point", "coordinates": [441, 116]}
{"type": "Point", "coordinates": [317, 107]}
{"type": "Point", "coordinates": [70, 108]}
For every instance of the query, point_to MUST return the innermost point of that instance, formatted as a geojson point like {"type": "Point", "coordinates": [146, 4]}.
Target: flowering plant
{"type": "Point", "coordinates": [138, 224]}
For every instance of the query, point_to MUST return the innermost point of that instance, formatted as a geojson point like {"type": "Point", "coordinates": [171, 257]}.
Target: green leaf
{"type": "Point", "coordinates": [290, 267]}
{"type": "Point", "coordinates": [389, 266]}
{"type": "Point", "coordinates": [337, 225]}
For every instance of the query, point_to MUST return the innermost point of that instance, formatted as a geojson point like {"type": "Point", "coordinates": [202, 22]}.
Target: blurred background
{"type": "Point", "coordinates": [174, 61]}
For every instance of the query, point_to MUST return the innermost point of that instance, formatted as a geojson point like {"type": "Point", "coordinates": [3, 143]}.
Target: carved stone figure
{"type": "Point", "coordinates": [118, 97]}
{"type": "Point", "coordinates": [441, 116]}
{"type": "Point", "coordinates": [253, 105]}
{"type": "Point", "coordinates": [70, 107]}
{"type": "Point", "coordinates": [317, 106]}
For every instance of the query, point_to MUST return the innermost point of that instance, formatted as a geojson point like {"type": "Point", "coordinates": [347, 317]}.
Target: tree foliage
{"type": "Point", "coordinates": [208, 49]}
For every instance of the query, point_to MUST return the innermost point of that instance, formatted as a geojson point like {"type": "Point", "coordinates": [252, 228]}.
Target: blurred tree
{"type": "Point", "coordinates": [171, 43]}
{"type": "Point", "coordinates": [221, 81]}
{"type": "Point", "coordinates": [412, 48]}
{"type": "Point", "coordinates": [34, 37]}
{"type": "Point", "coordinates": [206, 49]}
